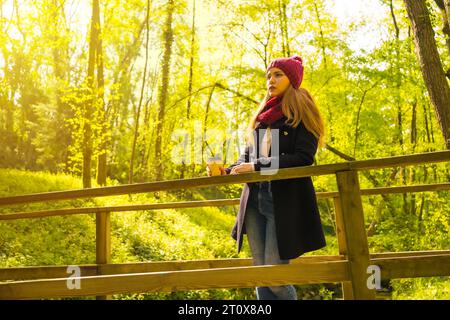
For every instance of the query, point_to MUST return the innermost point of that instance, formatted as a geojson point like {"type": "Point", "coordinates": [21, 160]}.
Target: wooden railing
{"type": "Point", "coordinates": [349, 267]}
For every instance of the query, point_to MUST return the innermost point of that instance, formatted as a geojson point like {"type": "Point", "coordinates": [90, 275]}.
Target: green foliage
{"type": "Point", "coordinates": [373, 99]}
{"type": "Point", "coordinates": [435, 288]}
{"type": "Point", "coordinates": [159, 235]}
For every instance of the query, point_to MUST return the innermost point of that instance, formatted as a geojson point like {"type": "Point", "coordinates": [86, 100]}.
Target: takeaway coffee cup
{"type": "Point", "coordinates": [214, 164]}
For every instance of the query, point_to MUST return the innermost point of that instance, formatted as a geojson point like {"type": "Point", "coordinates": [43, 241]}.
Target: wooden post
{"type": "Point", "coordinates": [347, 290]}
{"type": "Point", "coordinates": [103, 243]}
{"type": "Point", "coordinates": [352, 222]}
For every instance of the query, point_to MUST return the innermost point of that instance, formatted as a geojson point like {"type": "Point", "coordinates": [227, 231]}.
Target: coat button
{"type": "Point", "coordinates": [285, 133]}
{"type": "Point", "coordinates": [282, 153]}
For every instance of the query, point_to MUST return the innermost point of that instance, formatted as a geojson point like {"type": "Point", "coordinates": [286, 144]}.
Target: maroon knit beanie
{"type": "Point", "coordinates": [292, 67]}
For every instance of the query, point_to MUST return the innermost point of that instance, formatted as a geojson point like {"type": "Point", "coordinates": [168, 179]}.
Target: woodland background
{"type": "Point", "coordinates": [99, 93]}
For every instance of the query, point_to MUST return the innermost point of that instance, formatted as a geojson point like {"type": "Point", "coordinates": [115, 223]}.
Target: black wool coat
{"type": "Point", "coordinates": [297, 218]}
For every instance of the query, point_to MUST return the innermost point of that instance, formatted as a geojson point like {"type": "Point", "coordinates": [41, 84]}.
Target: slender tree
{"type": "Point", "coordinates": [60, 61]}
{"type": "Point", "coordinates": [444, 6]}
{"type": "Point", "coordinates": [102, 114]}
{"type": "Point", "coordinates": [90, 105]}
{"type": "Point", "coordinates": [322, 38]}
{"type": "Point", "coordinates": [191, 62]}
{"type": "Point", "coordinates": [430, 63]}
{"type": "Point", "coordinates": [139, 106]}
{"type": "Point", "coordinates": [163, 90]}
{"type": "Point", "coordinates": [282, 6]}
{"type": "Point", "coordinates": [190, 81]}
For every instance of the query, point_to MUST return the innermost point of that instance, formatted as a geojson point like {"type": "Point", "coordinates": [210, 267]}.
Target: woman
{"type": "Point", "coordinates": [280, 217]}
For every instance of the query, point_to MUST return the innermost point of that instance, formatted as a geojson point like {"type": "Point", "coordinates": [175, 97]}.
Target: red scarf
{"type": "Point", "coordinates": [271, 111]}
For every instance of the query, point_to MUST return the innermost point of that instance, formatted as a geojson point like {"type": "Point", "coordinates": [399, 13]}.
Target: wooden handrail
{"type": "Point", "coordinates": [331, 271]}
{"type": "Point", "coordinates": [135, 207]}
{"type": "Point", "coordinates": [207, 203]}
{"type": "Point", "coordinates": [288, 173]}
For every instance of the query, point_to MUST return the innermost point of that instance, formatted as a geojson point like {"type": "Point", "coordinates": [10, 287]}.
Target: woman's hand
{"type": "Point", "coordinates": [242, 168]}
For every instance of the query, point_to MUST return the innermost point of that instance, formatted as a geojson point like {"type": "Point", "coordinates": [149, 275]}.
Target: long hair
{"type": "Point", "coordinates": [298, 106]}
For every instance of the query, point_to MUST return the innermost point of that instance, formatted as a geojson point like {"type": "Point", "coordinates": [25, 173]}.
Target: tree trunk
{"type": "Point", "coordinates": [414, 126]}
{"type": "Point", "coordinates": [205, 125]}
{"type": "Point", "coordinates": [284, 29]}
{"type": "Point", "coordinates": [102, 119]}
{"type": "Point", "coordinates": [147, 149]}
{"type": "Point", "coordinates": [89, 107]}
{"type": "Point", "coordinates": [191, 62]}
{"type": "Point", "coordinates": [425, 117]}
{"type": "Point", "coordinates": [444, 7]}
{"type": "Point", "coordinates": [121, 78]}
{"type": "Point", "coordinates": [191, 72]}
{"type": "Point", "coordinates": [397, 78]}
{"type": "Point", "coordinates": [60, 66]}
{"type": "Point", "coordinates": [322, 40]}
{"type": "Point", "coordinates": [430, 63]}
{"type": "Point", "coordinates": [138, 111]}
{"type": "Point", "coordinates": [447, 9]}
{"type": "Point", "coordinates": [168, 39]}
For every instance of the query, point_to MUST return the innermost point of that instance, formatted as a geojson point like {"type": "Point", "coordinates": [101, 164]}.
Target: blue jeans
{"type": "Point", "coordinates": [262, 239]}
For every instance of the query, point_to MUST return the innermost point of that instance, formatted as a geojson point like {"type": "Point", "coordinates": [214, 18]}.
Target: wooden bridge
{"type": "Point", "coordinates": [349, 267]}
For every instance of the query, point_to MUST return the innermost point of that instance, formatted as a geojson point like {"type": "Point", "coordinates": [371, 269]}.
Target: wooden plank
{"type": "Point", "coordinates": [413, 266]}
{"type": "Point", "coordinates": [207, 203]}
{"type": "Point", "coordinates": [400, 161]}
{"type": "Point", "coordinates": [406, 189]}
{"type": "Point", "coordinates": [103, 237]}
{"type": "Point", "coordinates": [400, 254]}
{"type": "Point", "coordinates": [347, 289]}
{"type": "Point", "coordinates": [242, 277]}
{"type": "Point", "coordinates": [135, 207]}
{"type": "Point", "coordinates": [340, 227]}
{"type": "Point", "coordinates": [103, 243]}
{"type": "Point", "coordinates": [422, 265]}
{"type": "Point", "coordinates": [44, 272]}
{"type": "Point", "coordinates": [47, 272]}
{"type": "Point", "coordinates": [287, 173]}
{"type": "Point", "coordinates": [192, 183]}
{"type": "Point", "coordinates": [355, 233]}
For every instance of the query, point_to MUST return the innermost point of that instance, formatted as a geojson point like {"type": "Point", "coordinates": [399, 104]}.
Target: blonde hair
{"type": "Point", "coordinates": [298, 106]}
